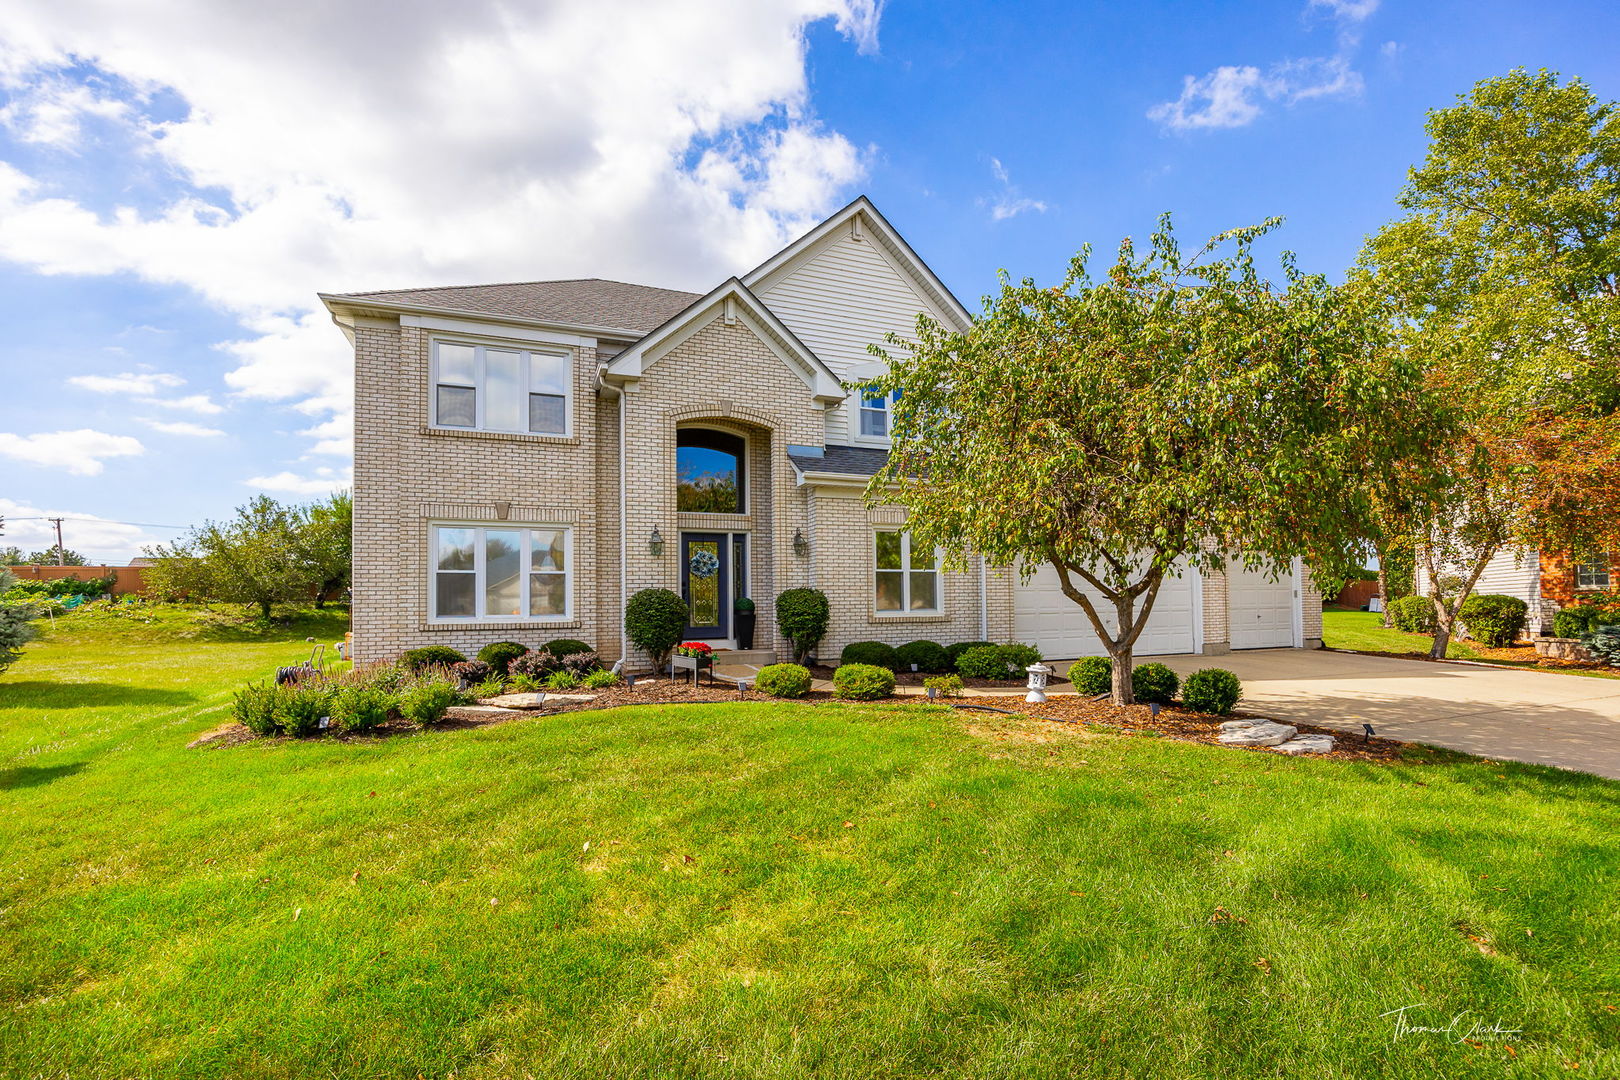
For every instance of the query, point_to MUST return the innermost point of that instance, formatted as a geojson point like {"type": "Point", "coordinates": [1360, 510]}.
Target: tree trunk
{"type": "Point", "coordinates": [1121, 689]}
{"type": "Point", "coordinates": [264, 609]}
{"type": "Point", "coordinates": [1383, 592]}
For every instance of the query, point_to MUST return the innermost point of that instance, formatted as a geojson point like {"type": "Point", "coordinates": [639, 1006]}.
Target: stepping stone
{"type": "Point", "coordinates": [534, 701]}
{"type": "Point", "coordinates": [476, 712]}
{"type": "Point", "coordinates": [1256, 733]}
{"type": "Point", "coordinates": [1307, 744]}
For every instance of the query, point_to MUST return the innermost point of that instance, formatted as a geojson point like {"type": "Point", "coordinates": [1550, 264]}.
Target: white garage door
{"type": "Point", "coordinates": [1261, 610]}
{"type": "Point", "coordinates": [1050, 621]}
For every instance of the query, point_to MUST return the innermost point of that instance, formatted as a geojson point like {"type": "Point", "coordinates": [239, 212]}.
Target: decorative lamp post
{"type": "Point", "coordinates": [655, 542]}
{"type": "Point", "coordinates": [1037, 682]}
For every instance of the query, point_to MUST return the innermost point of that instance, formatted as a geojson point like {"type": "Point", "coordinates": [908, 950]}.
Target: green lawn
{"type": "Point", "coordinates": [675, 893]}
{"type": "Point", "coordinates": [1364, 631]}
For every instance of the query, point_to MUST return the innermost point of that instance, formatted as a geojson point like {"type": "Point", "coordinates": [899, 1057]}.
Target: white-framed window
{"type": "Point", "coordinates": [1594, 575]}
{"type": "Point", "coordinates": [501, 388]}
{"type": "Point", "coordinates": [500, 572]}
{"type": "Point", "coordinates": [877, 410]}
{"type": "Point", "coordinates": [907, 578]}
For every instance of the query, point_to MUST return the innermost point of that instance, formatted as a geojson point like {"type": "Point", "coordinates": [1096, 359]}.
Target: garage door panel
{"type": "Point", "coordinates": [1260, 611]}
{"type": "Point", "coordinates": [1044, 617]}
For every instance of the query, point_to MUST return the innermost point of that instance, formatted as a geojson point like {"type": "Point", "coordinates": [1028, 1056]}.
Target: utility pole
{"type": "Point", "coordinates": [61, 557]}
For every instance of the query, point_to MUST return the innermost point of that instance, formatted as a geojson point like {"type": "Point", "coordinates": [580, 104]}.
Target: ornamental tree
{"type": "Point", "coordinates": [1505, 281]}
{"type": "Point", "coordinates": [1179, 412]}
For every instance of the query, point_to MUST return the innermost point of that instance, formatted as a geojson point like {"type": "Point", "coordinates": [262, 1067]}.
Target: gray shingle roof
{"type": "Point", "coordinates": [845, 460]}
{"type": "Point", "coordinates": [578, 301]}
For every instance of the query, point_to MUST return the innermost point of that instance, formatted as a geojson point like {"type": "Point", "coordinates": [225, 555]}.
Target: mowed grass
{"type": "Point", "coordinates": [1363, 631]}
{"type": "Point", "coordinates": [768, 890]}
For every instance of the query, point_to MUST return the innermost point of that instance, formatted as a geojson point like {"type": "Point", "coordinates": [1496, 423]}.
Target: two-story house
{"type": "Point", "coordinates": [529, 455]}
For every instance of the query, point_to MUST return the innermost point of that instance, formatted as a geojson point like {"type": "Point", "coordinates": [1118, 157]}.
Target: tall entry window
{"type": "Point", "coordinates": [709, 471]}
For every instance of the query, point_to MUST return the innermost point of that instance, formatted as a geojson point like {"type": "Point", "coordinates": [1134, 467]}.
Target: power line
{"type": "Point", "coordinates": [102, 521]}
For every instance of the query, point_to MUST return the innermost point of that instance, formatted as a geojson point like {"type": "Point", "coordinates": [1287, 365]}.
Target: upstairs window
{"type": "Point", "coordinates": [709, 471]}
{"type": "Point", "coordinates": [907, 577]}
{"type": "Point", "coordinates": [497, 388]}
{"type": "Point", "coordinates": [876, 409]}
{"type": "Point", "coordinates": [1594, 575]}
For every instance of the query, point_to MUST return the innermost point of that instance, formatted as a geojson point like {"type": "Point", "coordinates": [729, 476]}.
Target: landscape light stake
{"type": "Point", "coordinates": [1367, 733]}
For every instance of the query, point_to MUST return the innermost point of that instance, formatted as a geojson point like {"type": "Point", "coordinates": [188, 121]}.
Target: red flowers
{"type": "Point", "coordinates": [694, 648]}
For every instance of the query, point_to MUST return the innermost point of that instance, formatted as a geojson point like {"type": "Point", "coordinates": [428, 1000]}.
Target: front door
{"type": "Point", "coordinates": [706, 584]}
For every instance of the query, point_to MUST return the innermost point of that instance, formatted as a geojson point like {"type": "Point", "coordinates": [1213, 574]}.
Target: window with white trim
{"type": "Point", "coordinates": [1594, 575]}
{"type": "Point", "coordinates": [485, 572]}
{"type": "Point", "coordinates": [501, 388]}
{"type": "Point", "coordinates": [907, 578]}
{"type": "Point", "coordinates": [876, 411]}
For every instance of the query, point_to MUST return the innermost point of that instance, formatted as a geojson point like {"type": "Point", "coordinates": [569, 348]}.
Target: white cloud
{"type": "Point", "coordinates": [142, 384]}
{"type": "Point", "coordinates": [181, 427]}
{"type": "Point", "coordinates": [1009, 202]}
{"type": "Point", "coordinates": [665, 143]}
{"type": "Point", "coordinates": [96, 538]}
{"type": "Point", "coordinates": [51, 111]}
{"type": "Point", "coordinates": [1233, 96]}
{"type": "Point", "coordinates": [79, 452]}
{"type": "Point", "coordinates": [197, 403]}
{"type": "Point", "coordinates": [321, 482]}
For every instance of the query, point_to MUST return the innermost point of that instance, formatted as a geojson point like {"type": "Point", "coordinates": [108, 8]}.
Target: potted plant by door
{"type": "Point", "coordinates": [693, 656]}
{"type": "Point", "coordinates": [745, 622]}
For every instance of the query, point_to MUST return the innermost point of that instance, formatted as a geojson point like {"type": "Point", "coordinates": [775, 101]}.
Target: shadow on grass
{"type": "Point", "coordinates": [34, 694]}
{"type": "Point", "coordinates": [34, 775]}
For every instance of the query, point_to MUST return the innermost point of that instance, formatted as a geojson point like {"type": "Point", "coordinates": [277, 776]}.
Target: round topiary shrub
{"type": "Point", "coordinates": [1018, 656]}
{"type": "Point", "coordinates": [982, 662]}
{"type": "Point", "coordinates": [801, 617]}
{"type": "Point", "coordinates": [929, 657]}
{"type": "Point", "coordinates": [500, 654]}
{"type": "Point", "coordinates": [1493, 620]}
{"type": "Point", "coordinates": [862, 682]}
{"type": "Point", "coordinates": [654, 621]}
{"type": "Point", "coordinates": [430, 656]}
{"type": "Point", "coordinates": [955, 649]}
{"type": "Point", "coordinates": [1413, 614]}
{"type": "Point", "coordinates": [876, 653]}
{"type": "Point", "coordinates": [567, 647]}
{"type": "Point", "coordinates": [1092, 676]}
{"type": "Point", "coordinates": [783, 680]}
{"type": "Point", "coordinates": [1211, 690]}
{"type": "Point", "coordinates": [1154, 682]}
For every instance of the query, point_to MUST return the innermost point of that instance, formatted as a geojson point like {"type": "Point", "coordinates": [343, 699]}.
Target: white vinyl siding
{"type": "Point", "coordinates": [511, 388]}
{"type": "Point", "coordinates": [1509, 573]}
{"type": "Point", "coordinates": [843, 296]}
{"type": "Point", "coordinates": [500, 572]}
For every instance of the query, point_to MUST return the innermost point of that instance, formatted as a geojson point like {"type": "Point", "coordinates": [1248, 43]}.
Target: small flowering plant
{"type": "Point", "coordinates": [695, 649]}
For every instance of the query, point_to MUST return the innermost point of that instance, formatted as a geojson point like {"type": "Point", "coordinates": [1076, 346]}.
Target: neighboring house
{"type": "Point", "coordinates": [1546, 581]}
{"type": "Point", "coordinates": [529, 455]}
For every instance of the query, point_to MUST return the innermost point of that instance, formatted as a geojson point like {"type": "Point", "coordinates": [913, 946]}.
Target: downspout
{"type": "Point", "coordinates": [984, 601]}
{"type": "Point", "coordinates": [618, 392]}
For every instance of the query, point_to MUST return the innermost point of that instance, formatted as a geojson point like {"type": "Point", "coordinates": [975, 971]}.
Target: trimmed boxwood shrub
{"type": "Point", "coordinates": [1019, 656]}
{"type": "Point", "coordinates": [783, 680]}
{"type": "Point", "coordinates": [876, 653]}
{"type": "Point", "coordinates": [802, 616]}
{"type": "Point", "coordinates": [1493, 620]}
{"type": "Point", "coordinates": [862, 682]}
{"type": "Point", "coordinates": [1578, 620]}
{"type": "Point", "coordinates": [428, 701]}
{"type": "Point", "coordinates": [429, 656]}
{"type": "Point", "coordinates": [982, 662]}
{"type": "Point", "coordinates": [566, 647]}
{"type": "Point", "coordinates": [1154, 682]}
{"type": "Point", "coordinates": [359, 708]}
{"type": "Point", "coordinates": [1092, 676]}
{"type": "Point", "coordinates": [1212, 690]}
{"type": "Point", "coordinates": [654, 621]}
{"type": "Point", "coordinates": [1413, 614]}
{"type": "Point", "coordinates": [500, 654]}
{"type": "Point", "coordinates": [954, 651]}
{"type": "Point", "coordinates": [929, 656]}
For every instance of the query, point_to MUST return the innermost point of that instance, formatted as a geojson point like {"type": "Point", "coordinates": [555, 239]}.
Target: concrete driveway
{"type": "Point", "coordinates": [1535, 716]}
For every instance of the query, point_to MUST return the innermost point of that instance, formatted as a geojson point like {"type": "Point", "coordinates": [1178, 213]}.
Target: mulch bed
{"type": "Point", "coordinates": [915, 678]}
{"type": "Point", "coordinates": [1177, 723]}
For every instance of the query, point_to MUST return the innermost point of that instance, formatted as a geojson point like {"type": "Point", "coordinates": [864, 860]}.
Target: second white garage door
{"type": "Point", "coordinates": [1261, 610]}
{"type": "Point", "coordinates": [1045, 618]}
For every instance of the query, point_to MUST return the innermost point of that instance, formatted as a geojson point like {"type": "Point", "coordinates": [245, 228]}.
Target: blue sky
{"type": "Point", "coordinates": [172, 195]}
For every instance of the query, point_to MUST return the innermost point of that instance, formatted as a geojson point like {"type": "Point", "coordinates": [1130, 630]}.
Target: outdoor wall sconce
{"type": "Point", "coordinates": [801, 546]}
{"type": "Point", "coordinates": [655, 542]}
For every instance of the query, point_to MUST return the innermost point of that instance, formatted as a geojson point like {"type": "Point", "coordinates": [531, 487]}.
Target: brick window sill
{"type": "Point", "coordinates": [933, 617]}
{"type": "Point", "coordinates": [500, 624]}
{"type": "Point", "coordinates": [499, 436]}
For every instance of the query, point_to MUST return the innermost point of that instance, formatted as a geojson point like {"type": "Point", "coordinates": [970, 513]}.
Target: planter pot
{"type": "Point", "coordinates": [694, 664]}
{"type": "Point", "coordinates": [745, 628]}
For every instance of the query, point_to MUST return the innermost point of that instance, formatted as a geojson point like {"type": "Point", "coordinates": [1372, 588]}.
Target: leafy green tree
{"type": "Point", "coordinates": [13, 556]}
{"type": "Point", "coordinates": [323, 540]}
{"type": "Point", "coordinates": [1505, 276]}
{"type": "Point", "coordinates": [16, 624]}
{"type": "Point", "coordinates": [1177, 411]}
{"type": "Point", "coordinates": [251, 559]}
